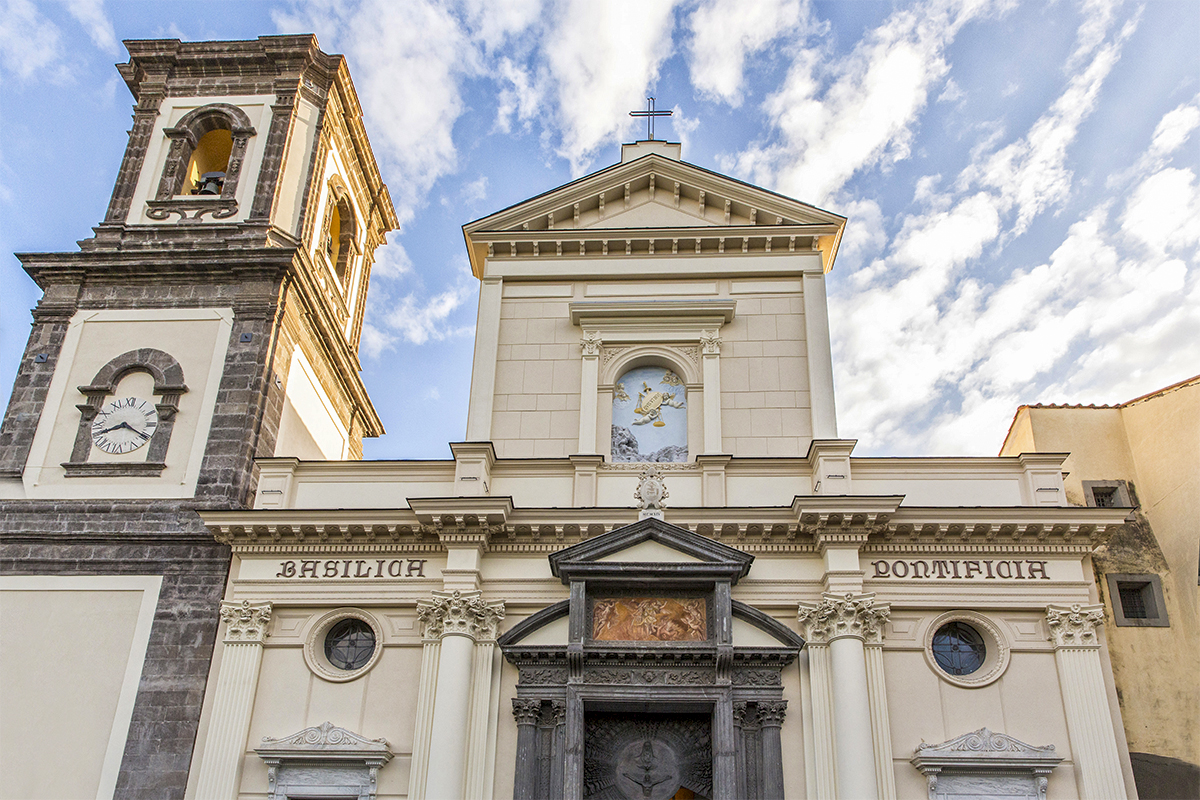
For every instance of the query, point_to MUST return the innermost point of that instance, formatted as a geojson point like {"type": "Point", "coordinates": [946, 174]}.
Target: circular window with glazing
{"type": "Point", "coordinates": [966, 649]}
{"type": "Point", "coordinates": [343, 644]}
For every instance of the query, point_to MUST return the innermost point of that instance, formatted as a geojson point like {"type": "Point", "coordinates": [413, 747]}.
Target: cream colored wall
{"type": "Point", "coordinates": [64, 716]}
{"type": "Point", "coordinates": [765, 407]}
{"type": "Point", "coordinates": [1095, 438]}
{"type": "Point", "coordinates": [1025, 702]}
{"type": "Point", "coordinates": [381, 703]}
{"type": "Point", "coordinates": [289, 202]}
{"type": "Point", "coordinates": [173, 109]}
{"type": "Point", "coordinates": [310, 426]}
{"type": "Point", "coordinates": [196, 338]}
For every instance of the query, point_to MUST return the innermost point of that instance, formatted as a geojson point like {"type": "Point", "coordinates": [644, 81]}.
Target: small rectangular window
{"type": "Point", "coordinates": [1134, 603]}
{"type": "Point", "coordinates": [1107, 494]}
{"type": "Point", "coordinates": [1137, 601]}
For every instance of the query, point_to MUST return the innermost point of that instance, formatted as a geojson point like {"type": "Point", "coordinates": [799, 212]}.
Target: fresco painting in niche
{"type": "Point", "coordinates": [649, 416]}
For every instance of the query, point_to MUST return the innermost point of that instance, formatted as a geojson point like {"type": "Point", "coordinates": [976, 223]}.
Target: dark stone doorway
{"type": "Point", "coordinates": [647, 756]}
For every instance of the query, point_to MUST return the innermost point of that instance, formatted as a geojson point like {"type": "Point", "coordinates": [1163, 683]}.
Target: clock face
{"type": "Point", "coordinates": [124, 425]}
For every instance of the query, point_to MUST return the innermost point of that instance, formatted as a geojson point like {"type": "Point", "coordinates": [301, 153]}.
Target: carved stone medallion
{"type": "Point", "coordinates": [647, 757]}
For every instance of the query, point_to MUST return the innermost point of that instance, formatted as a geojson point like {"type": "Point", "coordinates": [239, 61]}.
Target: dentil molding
{"type": "Point", "coordinates": [1074, 625]}
{"type": "Point", "coordinates": [460, 613]}
{"type": "Point", "coordinates": [844, 615]}
{"type": "Point", "coordinates": [246, 622]}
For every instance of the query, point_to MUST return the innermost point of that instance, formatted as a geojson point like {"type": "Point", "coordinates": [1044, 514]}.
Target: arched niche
{"type": "Point", "coordinates": [339, 232]}
{"type": "Point", "coordinates": [647, 392]}
{"type": "Point", "coordinates": [167, 375]}
{"type": "Point", "coordinates": [208, 149]}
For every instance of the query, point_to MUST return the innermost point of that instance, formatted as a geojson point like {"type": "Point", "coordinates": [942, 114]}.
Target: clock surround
{"type": "Point", "coordinates": [168, 385]}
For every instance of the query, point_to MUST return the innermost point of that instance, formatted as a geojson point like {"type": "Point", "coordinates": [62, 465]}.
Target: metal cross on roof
{"type": "Point", "coordinates": [650, 114]}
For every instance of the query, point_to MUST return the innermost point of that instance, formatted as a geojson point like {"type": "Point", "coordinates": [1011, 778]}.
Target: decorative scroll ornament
{"type": "Point", "coordinates": [710, 343]}
{"type": "Point", "coordinates": [591, 343]}
{"type": "Point", "coordinates": [1074, 625]}
{"type": "Point", "coordinates": [245, 621]}
{"type": "Point", "coordinates": [989, 760]}
{"type": "Point", "coordinates": [651, 491]}
{"type": "Point", "coordinates": [461, 613]}
{"type": "Point", "coordinates": [325, 736]}
{"type": "Point", "coordinates": [838, 616]}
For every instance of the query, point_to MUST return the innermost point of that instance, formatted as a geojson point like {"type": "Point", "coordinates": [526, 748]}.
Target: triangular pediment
{"type": "Point", "coordinates": [646, 545]}
{"type": "Point", "coordinates": [678, 194]}
{"type": "Point", "coordinates": [653, 205]}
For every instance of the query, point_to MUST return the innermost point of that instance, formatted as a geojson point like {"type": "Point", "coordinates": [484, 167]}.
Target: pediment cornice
{"type": "Point", "coordinates": [653, 205]}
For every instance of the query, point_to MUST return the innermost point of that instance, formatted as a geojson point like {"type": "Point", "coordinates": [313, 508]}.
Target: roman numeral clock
{"type": "Point", "coordinates": [123, 425]}
{"type": "Point", "coordinates": [120, 425]}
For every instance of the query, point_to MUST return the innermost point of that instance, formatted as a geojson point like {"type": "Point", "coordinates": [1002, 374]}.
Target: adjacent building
{"type": "Point", "coordinates": [654, 569]}
{"type": "Point", "coordinates": [1143, 456]}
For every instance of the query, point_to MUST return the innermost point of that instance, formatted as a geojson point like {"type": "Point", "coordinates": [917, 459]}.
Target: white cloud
{"type": "Point", "coordinates": [417, 321]}
{"type": "Point", "coordinates": [945, 353]}
{"type": "Point", "coordinates": [1176, 126]}
{"type": "Point", "coordinates": [408, 59]}
{"type": "Point", "coordinates": [833, 119]}
{"type": "Point", "coordinates": [391, 260]}
{"type": "Point", "coordinates": [90, 14]}
{"type": "Point", "coordinates": [29, 42]}
{"type": "Point", "coordinates": [602, 56]}
{"type": "Point", "coordinates": [724, 33]}
{"type": "Point", "coordinates": [520, 94]}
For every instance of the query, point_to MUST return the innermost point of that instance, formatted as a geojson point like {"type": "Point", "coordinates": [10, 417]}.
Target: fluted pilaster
{"type": "Point", "coordinates": [246, 626]}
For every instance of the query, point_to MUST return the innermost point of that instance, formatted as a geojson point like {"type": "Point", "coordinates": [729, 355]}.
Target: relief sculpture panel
{"type": "Point", "coordinates": [650, 619]}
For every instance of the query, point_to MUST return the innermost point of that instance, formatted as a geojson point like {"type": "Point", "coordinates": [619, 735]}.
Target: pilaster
{"type": "Point", "coordinates": [712, 476]}
{"type": "Point", "coordinates": [589, 386]}
{"type": "Point", "coordinates": [483, 370]}
{"type": "Point", "coordinates": [459, 620]}
{"type": "Point", "coordinates": [1073, 629]}
{"type": "Point", "coordinates": [710, 355]}
{"type": "Point", "coordinates": [246, 627]}
{"type": "Point", "coordinates": [819, 356]}
{"type": "Point", "coordinates": [473, 462]}
{"type": "Point", "coordinates": [587, 469]}
{"type": "Point", "coordinates": [843, 623]}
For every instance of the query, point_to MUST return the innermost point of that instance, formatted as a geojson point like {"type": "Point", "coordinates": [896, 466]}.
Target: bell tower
{"type": "Point", "coordinates": [213, 318]}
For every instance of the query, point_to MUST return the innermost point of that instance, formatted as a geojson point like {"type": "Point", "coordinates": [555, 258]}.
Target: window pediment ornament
{"type": "Point", "coordinates": [323, 752]}
{"type": "Point", "coordinates": [1074, 625]}
{"type": "Point", "coordinates": [848, 615]}
{"type": "Point", "coordinates": [246, 622]}
{"type": "Point", "coordinates": [460, 613]}
{"type": "Point", "coordinates": [984, 756]}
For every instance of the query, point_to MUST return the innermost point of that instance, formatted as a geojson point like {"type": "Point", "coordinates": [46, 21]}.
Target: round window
{"type": "Point", "coordinates": [343, 644]}
{"type": "Point", "coordinates": [350, 644]}
{"type": "Point", "coordinates": [958, 648]}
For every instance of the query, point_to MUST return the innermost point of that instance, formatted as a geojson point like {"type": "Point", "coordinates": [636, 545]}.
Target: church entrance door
{"type": "Point", "coordinates": [647, 756]}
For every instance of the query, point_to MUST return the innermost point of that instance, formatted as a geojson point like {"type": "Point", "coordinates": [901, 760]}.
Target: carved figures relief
{"type": "Point", "coordinates": [649, 619]}
{"type": "Point", "coordinates": [644, 757]}
{"type": "Point", "coordinates": [649, 416]}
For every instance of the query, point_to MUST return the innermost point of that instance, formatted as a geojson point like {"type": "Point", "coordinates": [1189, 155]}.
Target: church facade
{"type": "Point", "coordinates": [653, 569]}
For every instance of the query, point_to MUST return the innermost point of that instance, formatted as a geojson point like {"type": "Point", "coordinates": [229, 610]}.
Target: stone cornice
{"type": "Point", "coordinates": [460, 613]}
{"type": "Point", "coordinates": [839, 616]}
{"type": "Point", "coordinates": [1067, 530]}
{"type": "Point", "coordinates": [245, 622]}
{"type": "Point", "coordinates": [1074, 625]}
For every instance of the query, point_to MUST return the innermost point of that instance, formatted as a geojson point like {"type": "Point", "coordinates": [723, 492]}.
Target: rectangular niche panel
{"type": "Point", "coordinates": [650, 619]}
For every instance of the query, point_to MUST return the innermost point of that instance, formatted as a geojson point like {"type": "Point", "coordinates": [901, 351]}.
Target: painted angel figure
{"type": "Point", "coordinates": [650, 404]}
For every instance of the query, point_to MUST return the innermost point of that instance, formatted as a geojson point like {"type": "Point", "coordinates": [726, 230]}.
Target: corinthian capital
{"type": "Point", "coordinates": [245, 621]}
{"type": "Point", "coordinates": [838, 616]}
{"type": "Point", "coordinates": [1074, 625]}
{"type": "Point", "coordinates": [461, 613]}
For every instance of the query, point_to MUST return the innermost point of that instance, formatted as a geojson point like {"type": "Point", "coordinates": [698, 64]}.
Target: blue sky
{"type": "Point", "coordinates": [1020, 178]}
